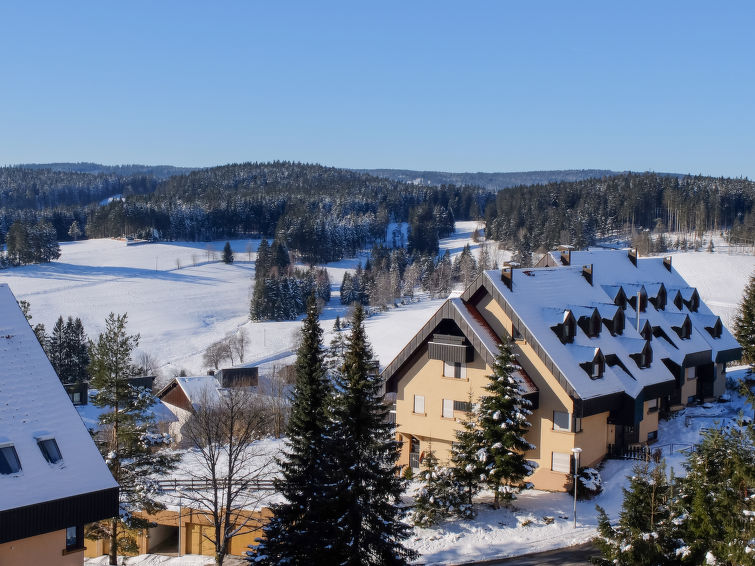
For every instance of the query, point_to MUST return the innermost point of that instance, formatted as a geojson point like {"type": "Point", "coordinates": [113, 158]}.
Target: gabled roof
{"type": "Point", "coordinates": [194, 389]}
{"type": "Point", "coordinates": [475, 329]}
{"type": "Point", "coordinates": [34, 404]}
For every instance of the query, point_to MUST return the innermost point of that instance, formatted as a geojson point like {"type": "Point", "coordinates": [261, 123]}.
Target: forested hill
{"type": "Point", "coordinates": [321, 212]}
{"type": "Point", "coordinates": [490, 181]}
{"type": "Point", "coordinates": [540, 217]}
{"type": "Point", "coordinates": [157, 171]}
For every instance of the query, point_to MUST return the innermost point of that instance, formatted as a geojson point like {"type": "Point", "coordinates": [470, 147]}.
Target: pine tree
{"type": "Point", "coordinates": [302, 530]}
{"type": "Point", "coordinates": [128, 434]}
{"type": "Point", "coordinates": [646, 533]}
{"type": "Point", "coordinates": [503, 422]}
{"type": "Point", "coordinates": [467, 461]}
{"type": "Point", "coordinates": [744, 323]}
{"type": "Point", "coordinates": [227, 253]}
{"type": "Point", "coordinates": [716, 494]}
{"type": "Point", "coordinates": [437, 499]}
{"type": "Point", "coordinates": [368, 484]}
{"type": "Point", "coordinates": [74, 231]}
{"type": "Point", "coordinates": [262, 263]}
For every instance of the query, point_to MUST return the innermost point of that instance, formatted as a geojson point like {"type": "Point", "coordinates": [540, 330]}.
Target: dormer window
{"type": "Point", "coordinates": [659, 301]}
{"type": "Point", "coordinates": [644, 358]}
{"type": "Point", "coordinates": [685, 330]}
{"type": "Point", "coordinates": [567, 332]}
{"type": "Point", "coordinates": [9, 462]}
{"type": "Point", "coordinates": [678, 300]}
{"type": "Point", "coordinates": [646, 331]}
{"type": "Point", "coordinates": [621, 299]}
{"type": "Point", "coordinates": [694, 301]}
{"type": "Point", "coordinates": [50, 450]}
{"type": "Point", "coordinates": [591, 325]}
{"type": "Point", "coordinates": [616, 324]}
{"type": "Point", "coordinates": [643, 300]}
{"type": "Point", "coordinates": [566, 329]}
{"type": "Point", "coordinates": [716, 329]}
{"type": "Point", "coordinates": [597, 370]}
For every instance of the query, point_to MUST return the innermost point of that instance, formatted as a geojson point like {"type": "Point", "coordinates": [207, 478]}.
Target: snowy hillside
{"type": "Point", "coordinates": [181, 299]}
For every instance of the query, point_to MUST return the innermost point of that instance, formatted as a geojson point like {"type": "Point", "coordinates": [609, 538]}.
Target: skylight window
{"type": "Point", "coordinates": [9, 462]}
{"type": "Point", "coordinates": [50, 450]}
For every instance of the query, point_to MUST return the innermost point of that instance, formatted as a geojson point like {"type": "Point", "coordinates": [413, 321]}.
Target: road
{"type": "Point", "coordinates": [572, 556]}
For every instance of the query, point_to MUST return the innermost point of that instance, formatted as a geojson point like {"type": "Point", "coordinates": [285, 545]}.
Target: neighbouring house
{"type": "Point", "coordinates": [190, 531]}
{"type": "Point", "coordinates": [182, 395]}
{"type": "Point", "coordinates": [52, 477]}
{"type": "Point", "coordinates": [605, 340]}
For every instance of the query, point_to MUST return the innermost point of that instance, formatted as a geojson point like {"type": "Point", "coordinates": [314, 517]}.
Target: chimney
{"type": "Point", "coordinates": [566, 254]}
{"type": "Point", "coordinates": [587, 273]}
{"type": "Point", "coordinates": [667, 262]}
{"type": "Point", "coordinates": [507, 275]}
{"type": "Point", "coordinates": [633, 255]}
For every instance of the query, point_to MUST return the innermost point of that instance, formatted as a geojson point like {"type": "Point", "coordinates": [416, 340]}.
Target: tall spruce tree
{"type": "Point", "coordinates": [127, 434]}
{"type": "Point", "coordinates": [647, 530]}
{"type": "Point", "coordinates": [437, 498]}
{"type": "Point", "coordinates": [744, 323]}
{"type": "Point", "coordinates": [302, 530]}
{"type": "Point", "coordinates": [503, 422]}
{"type": "Point", "coordinates": [467, 461]}
{"type": "Point", "coordinates": [368, 484]}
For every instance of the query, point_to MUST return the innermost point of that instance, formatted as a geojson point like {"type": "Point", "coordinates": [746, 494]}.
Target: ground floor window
{"type": "Point", "coordinates": [561, 462]}
{"type": "Point", "coordinates": [652, 435]}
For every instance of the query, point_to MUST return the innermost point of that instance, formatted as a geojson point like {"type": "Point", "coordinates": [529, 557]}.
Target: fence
{"type": "Point", "coordinates": [646, 453]}
{"type": "Point", "coordinates": [206, 484]}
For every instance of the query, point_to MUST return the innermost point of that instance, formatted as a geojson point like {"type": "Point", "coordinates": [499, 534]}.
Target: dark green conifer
{"type": "Point", "coordinates": [302, 530]}
{"type": "Point", "coordinates": [744, 323]}
{"type": "Point", "coordinates": [368, 484]}
{"type": "Point", "coordinates": [503, 422]}
{"type": "Point", "coordinates": [468, 469]}
{"type": "Point", "coordinates": [227, 253]}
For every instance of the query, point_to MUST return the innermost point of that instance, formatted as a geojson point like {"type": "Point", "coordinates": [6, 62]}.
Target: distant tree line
{"type": "Point", "coordinates": [538, 218]}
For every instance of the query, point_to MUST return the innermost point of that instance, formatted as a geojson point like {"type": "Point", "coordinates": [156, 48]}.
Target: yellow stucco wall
{"type": "Point", "coordinates": [44, 549]}
{"type": "Point", "coordinates": [690, 384]}
{"type": "Point", "coordinates": [649, 422]}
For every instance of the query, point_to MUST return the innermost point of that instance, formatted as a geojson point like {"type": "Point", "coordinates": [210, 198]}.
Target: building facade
{"type": "Point", "coordinates": [606, 342]}
{"type": "Point", "coordinates": [52, 478]}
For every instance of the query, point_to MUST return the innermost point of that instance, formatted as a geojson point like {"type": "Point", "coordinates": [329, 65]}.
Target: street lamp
{"type": "Point", "coordinates": [576, 452]}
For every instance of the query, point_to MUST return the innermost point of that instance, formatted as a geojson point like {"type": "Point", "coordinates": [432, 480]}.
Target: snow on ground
{"type": "Point", "coordinates": [503, 533]}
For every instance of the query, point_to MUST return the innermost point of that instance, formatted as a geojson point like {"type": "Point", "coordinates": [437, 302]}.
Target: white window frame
{"type": "Point", "coordinates": [448, 409]}
{"type": "Point", "coordinates": [556, 426]}
{"type": "Point", "coordinates": [419, 403]}
{"type": "Point", "coordinates": [652, 404]}
{"type": "Point", "coordinates": [561, 462]}
{"type": "Point", "coordinates": [449, 370]}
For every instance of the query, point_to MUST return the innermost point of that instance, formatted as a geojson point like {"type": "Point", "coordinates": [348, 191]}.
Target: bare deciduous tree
{"type": "Point", "coordinates": [238, 343]}
{"type": "Point", "coordinates": [215, 354]}
{"type": "Point", "coordinates": [276, 391]}
{"type": "Point", "coordinates": [229, 465]}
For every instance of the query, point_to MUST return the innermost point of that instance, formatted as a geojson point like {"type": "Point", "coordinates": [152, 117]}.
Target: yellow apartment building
{"type": "Point", "coordinates": [605, 342]}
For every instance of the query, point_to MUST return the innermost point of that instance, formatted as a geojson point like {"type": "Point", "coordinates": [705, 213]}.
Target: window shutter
{"type": "Point", "coordinates": [419, 404]}
{"type": "Point", "coordinates": [448, 408]}
{"type": "Point", "coordinates": [561, 462]}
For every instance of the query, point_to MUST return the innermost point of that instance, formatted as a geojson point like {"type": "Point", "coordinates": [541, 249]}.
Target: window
{"type": "Point", "coordinates": [448, 408]}
{"type": "Point", "coordinates": [73, 538]}
{"type": "Point", "coordinates": [689, 373]}
{"type": "Point", "coordinates": [419, 404]}
{"type": "Point", "coordinates": [465, 406]}
{"type": "Point", "coordinates": [414, 454]}
{"type": "Point", "coordinates": [561, 462]}
{"type": "Point", "coordinates": [9, 462]}
{"type": "Point", "coordinates": [652, 435]}
{"type": "Point", "coordinates": [561, 421]}
{"type": "Point", "coordinates": [50, 450]}
{"type": "Point", "coordinates": [577, 424]}
{"type": "Point", "coordinates": [597, 369]}
{"type": "Point", "coordinates": [454, 369]}
{"type": "Point", "coordinates": [652, 405]}
{"type": "Point", "coordinates": [76, 397]}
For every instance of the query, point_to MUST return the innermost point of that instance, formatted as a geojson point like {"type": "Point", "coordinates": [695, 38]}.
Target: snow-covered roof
{"type": "Point", "coordinates": [537, 296]}
{"type": "Point", "coordinates": [200, 388]}
{"type": "Point", "coordinates": [33, 405]}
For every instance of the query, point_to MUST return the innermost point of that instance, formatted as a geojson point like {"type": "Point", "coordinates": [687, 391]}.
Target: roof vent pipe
{"type": "Point", "coordinates": [639, 298]}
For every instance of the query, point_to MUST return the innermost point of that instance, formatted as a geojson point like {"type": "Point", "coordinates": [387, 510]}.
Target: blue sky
{"type": "Point", "coordinates": [464, 86]}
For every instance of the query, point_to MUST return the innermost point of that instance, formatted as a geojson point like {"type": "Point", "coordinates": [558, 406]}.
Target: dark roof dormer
{"type": "Point", "coordinates": [633, 254]}
{"type": "Point", "coordinates": [646, 330]}
{"type": "Point", "coordinates": [677, 299]}
{"type": "Point", "coordinates": [590, 325]}
{"type": "Point", "coordinates": [644, 358]}
{"type": "Point", "coordinates": [595, 368]}
{"type": "Point", "coordinates": [566, 329]}
{"type": "Point", "coordinates": [507, 276]}
{"type": "Point", "coordinates": [616, 324]}
{"type": "Point", "coordinates": [693, 302]}
{"type": "Point", "coordinates": [587, 273]}
{"type": "Point", "coordinates": [716, 328]}
{"type": "Point", "coordinates": [632, 300]}
{"type": "Point", "coordinates": [684, 330]}
{"type": "Point", "coordinates": [620, 300]}
{"type": "Point", "coordinates": [659, 300]}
